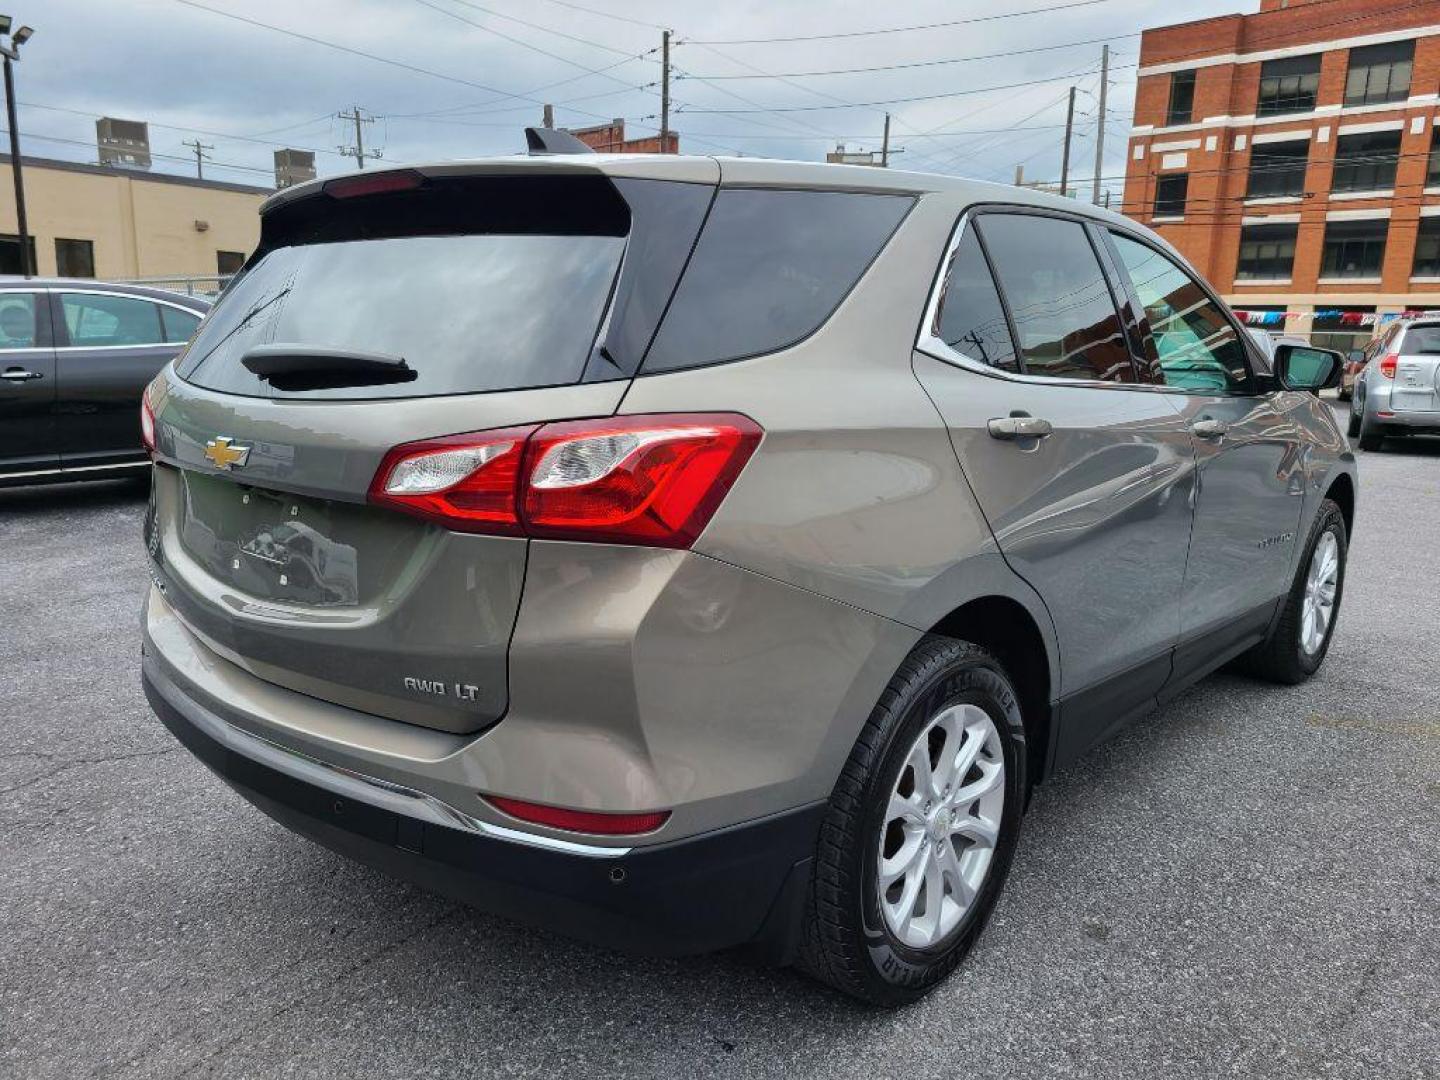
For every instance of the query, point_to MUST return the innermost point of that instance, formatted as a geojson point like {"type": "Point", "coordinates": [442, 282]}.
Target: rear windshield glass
{"type": "Point", "coordinates": [467, 313]}
{"type": "Point", "coordinates": [1421, 341]}
{"type": "Point", "coordinates": [769, 268]}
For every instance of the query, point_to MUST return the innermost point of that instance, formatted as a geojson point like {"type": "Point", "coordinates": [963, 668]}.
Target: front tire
{"type": "Point", "coordinates": [921, 828]}
{"type": "Point", "coordinates": [1298, 642]}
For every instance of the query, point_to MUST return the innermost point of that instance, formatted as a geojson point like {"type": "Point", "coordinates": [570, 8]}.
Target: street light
{"type": "Point", "coordinates": [11, 53]}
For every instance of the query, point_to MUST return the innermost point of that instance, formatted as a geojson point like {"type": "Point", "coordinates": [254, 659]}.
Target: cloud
{"type": "Point", "coordinates": [471, 79]}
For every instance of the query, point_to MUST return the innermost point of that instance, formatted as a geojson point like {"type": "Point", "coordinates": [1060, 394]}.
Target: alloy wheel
{"type": "Point", "coordinates": [941, 825]}
{"type": "Point", "coordinates": [1318, 604]}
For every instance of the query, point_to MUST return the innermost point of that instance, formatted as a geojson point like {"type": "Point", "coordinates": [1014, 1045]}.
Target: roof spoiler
{"type": "Point", "coordinates": [542, 140]}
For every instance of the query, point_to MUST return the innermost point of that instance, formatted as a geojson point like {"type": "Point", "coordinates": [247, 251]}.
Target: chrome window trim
{"type": "Point", "coordinates": [931, 345]}
{"type": "Point", "coordinates": [66, 291]}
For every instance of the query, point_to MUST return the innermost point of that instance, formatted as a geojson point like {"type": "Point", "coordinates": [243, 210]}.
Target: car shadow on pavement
{"type": "Point", "coordinates": [93, 495]}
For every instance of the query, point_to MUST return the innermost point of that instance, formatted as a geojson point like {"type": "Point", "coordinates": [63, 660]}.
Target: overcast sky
{"type": "Point", "coordinates": [465, 77]}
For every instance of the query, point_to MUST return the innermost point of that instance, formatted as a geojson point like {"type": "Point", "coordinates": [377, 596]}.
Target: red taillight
{"type": "Point", "coordinates": [651, 480]}
{"type": "Point", "coordinates": [147, 426]}
{"type": "Point", "coordinates": [585, 821]}
{"type": "Point", "coordinates": [1388, 364]}
{"type": "Point", "coordinates": [380, 183]}
{"type": "Point", "coordinates": [466, 482]}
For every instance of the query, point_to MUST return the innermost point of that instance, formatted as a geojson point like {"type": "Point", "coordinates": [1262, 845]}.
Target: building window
{"type": "Point", "coordinates": [1170, 192]}
{"type": "Point", "coordinates": [10, 254]}
{"type": "Point", "coordinates": [1267, 252]}
{"type": "Point", "coordinates": [1366, 162]}
{"type": "Point", "coordinates": [74, 258]}
{"type": "Point", "coordinates": [1380, 73]}
{"type": "Point", "coordinates": [229, 262]}
{"type": "Point", "coordinates": [1278, 169]}
{"type": "Point", "coordinates": [1427, 248]}
{"type": "Point", "coordinates": [1354, 249]}
{"type": "Point", "coordinates": [1182, 98]}
{"type": "Point", "coordinates": [1288, 85]}
{"type": "Point", "coordinates": [1432, 173]}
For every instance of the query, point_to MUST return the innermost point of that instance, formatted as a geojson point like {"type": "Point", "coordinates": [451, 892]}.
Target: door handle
{"type": "Point", "coordinates": [18, 374]}
{"type": "Point", "coordinates": [1019, 427]}
{"type": "Point", "coordinates": [1206, 428]}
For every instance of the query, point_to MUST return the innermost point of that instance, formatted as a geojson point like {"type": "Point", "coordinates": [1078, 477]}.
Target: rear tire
{"type": "Point", "coordinates": [1291, 653]}
{"type": "Point", "coordinates": [1354, 427]}
{"type": "Point", "coordinates": [1370, 438]}
{"type": "Point", "coordinates": [943, 849]}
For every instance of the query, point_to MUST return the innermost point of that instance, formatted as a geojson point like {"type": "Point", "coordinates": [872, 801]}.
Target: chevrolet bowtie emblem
{"type": "Point", "coordinates": [224, 453]}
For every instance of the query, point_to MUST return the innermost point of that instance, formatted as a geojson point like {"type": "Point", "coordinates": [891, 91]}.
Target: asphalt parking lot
{"type": "Point", "coordinates": [1246, 884]}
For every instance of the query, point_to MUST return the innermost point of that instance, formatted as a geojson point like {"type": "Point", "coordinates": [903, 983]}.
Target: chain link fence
{"type": "Point", "coordinates": [192, 285]}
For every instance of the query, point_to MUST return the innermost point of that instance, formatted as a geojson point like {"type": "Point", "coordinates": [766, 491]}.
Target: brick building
{"type": "Point", "coordinates": [1291, 154]}
{"type": "Point", "coordinates": [610, 139]}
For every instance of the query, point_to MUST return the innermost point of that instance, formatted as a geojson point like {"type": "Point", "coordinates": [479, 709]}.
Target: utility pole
{"type": "Point", "coordinates": [11, 53]}
{"type": "Point", "coordinates": [1020, 175]}
{"type": "Point", "coordinates": [358, 151]}
{"type": "Point", "coordinates": [664, 90]}
{"type": "Point", "coordinates": [885, 145]}
{"type": "Point", "coordinates": [200, 155]}
{"type": "Point", "coordinates": [549, 116]}
{"type": "Point", "coordinates": [1065, 154]}
{"type": "Point", "coordinates": [1100, 134]}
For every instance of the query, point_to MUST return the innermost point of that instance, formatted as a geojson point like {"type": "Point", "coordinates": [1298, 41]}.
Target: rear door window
{"type": "Point", "coordinates": [18, 329]}
{"type": "Point", "coordinates": [1059, 300]}
{"type": "Point", "coordinates": [769, 268]}
{"type": "Point", "coordinates": [95, 320]}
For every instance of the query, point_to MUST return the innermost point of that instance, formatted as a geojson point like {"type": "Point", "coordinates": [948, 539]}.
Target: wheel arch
{"type": "Point", "coordinates": [1007, 628]}
{"type": "Point", "coordinates": [1342, 492]}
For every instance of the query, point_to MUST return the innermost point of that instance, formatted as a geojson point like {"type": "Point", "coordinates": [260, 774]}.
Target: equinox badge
{"type": "Point", "coordinates": [224, 453]}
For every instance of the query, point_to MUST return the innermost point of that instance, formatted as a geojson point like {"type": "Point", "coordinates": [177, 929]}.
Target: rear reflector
{"type": "Point", "coordinates": [351, 187]}
{"type": "Point", "coordinates": [583, 821]}
{"type": "Point", "coordinates": [1388, 365]}
{"type": "Point", "coordinates": [649, 480]}
{"type": "Point", "coordinates": [147, 426]}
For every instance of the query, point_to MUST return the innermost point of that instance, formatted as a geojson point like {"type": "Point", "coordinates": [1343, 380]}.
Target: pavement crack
{"type": "Point", "coordinates": [75, 763]}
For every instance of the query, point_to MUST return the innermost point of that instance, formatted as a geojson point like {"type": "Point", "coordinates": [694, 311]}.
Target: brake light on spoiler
{"type": "Point", "coordinates": [651, 480]}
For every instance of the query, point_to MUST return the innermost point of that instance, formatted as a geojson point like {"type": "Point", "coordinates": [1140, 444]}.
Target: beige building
{"type": "Point", "coordinates": [105, 222]}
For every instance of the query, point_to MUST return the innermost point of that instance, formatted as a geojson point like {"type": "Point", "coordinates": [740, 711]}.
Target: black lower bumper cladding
{"type": "Point", "coordinates": [739, 886]}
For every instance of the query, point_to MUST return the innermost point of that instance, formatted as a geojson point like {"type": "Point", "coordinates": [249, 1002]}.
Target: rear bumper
{"type": "Point", "coordinates": [735, 886]}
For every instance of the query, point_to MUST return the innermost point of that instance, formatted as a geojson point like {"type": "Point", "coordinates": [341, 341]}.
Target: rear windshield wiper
{"type": "Point", "coordinates": [313, 367]}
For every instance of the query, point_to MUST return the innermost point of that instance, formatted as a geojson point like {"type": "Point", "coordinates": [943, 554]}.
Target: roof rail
{"type": "Point", "coordinates": [542, 140]}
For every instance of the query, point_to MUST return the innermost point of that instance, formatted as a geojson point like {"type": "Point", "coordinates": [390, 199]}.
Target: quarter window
{"type": "Point", "coordinates": [1266, 252]}
{"type": "Point", "coordinates": [768, 269]}
{"type": "Point", "coordinates": [1196, 346]}
{"type": "Point", "coordinates": [1277, 169]}
{"type": "Point", "coordinates": [94, 320]}
{"type": "Point", "coordinates": [1380, 73]}
{"type": "Point", "coordinates": [1170, 193]}
{"type": "Point", "coordinates": [1288, 85]}
{"type": "Point", "coordinates": [179, 325]}
{"type": "Point", "coordinates": [1182, 98]}
{"type": "Point", "coordinates": [1366, 162]}
{"type": "Point", "coordinates": [1354, 249]}
{"type": "Point", "coordinates": [17, 320]}
{"type": "Point", "coordinates": [970, 319]}
{"type": "Point", "coordinates": [1060, 303]}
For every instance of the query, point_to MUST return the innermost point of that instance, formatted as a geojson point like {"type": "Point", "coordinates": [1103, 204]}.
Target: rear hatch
{"type": "Point", "coordinates": [1417, 371]}
{"type": "Point", "coordinates": [380, 310]}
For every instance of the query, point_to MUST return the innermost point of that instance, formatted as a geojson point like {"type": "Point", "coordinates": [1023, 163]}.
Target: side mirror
{"type": "Point", "coordinates": [1305, 367]}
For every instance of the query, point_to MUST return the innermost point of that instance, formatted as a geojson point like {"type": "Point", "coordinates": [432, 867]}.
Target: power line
{"type": "Point", "coordinates": [897, 101]}
{"type": "Point", "coordinates": [545, 29]}
{"type": "Point", "coordinates": [923, 63]}
{"type": "Point", "coordinates": [606, 14]}
{"type": "Point", "coordinates": [894, 29]}
{"type": "Point", "coordinates": [187, 159]}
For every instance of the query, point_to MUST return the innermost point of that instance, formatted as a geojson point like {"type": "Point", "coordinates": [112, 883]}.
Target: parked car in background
{"type": "Point", "coordinates": [1398, 389]}
{"type": "Point", "coordinates": [75, 357]}
{"type": "Point", "coordinates": [686, 553]}
{"type": "Point", "coordinates": [1354, 364]}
